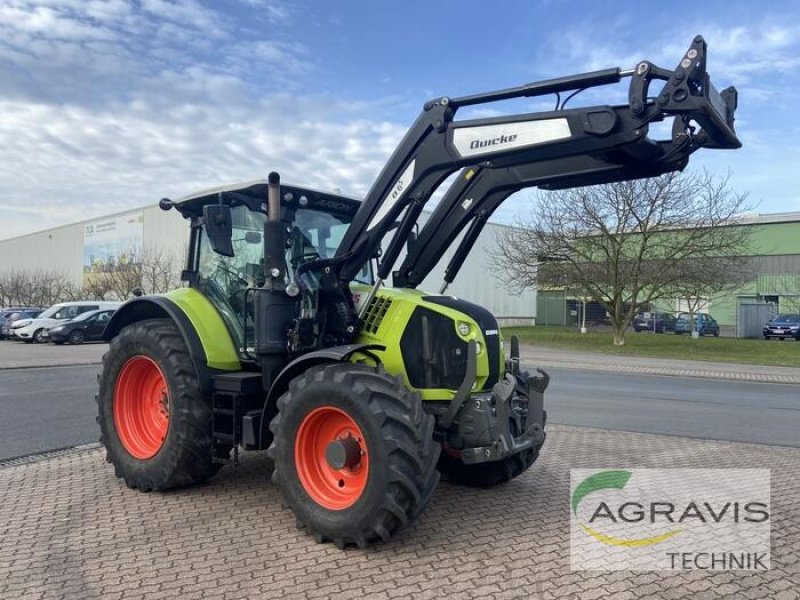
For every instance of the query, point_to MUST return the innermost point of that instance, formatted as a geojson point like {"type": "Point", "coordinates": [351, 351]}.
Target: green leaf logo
{"type": "Point", "coordinates": [605, 480]}
{"type": "Point", "coordinates": [599, 481]}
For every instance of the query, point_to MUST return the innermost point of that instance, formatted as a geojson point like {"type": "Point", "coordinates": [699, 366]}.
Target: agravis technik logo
{"type": "Point", "coordinates": [652, 519]}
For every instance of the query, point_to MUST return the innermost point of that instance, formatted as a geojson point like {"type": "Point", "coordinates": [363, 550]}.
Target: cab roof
{"type": "Point", "coordinates": [254, 195]}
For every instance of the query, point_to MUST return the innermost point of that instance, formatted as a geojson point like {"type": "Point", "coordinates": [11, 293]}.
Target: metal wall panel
{"type": "Point", "coordinates": [61, 249]}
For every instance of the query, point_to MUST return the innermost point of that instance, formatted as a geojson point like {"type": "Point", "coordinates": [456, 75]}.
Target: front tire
{"type": "Point", "coordinates": [354, 453]}
{"type": "Point", "coordinates": [37, 336]}
{"type": "Point", "coordinates": [154, 420]}
{"type": "Point", "coordinates": [76, 337]}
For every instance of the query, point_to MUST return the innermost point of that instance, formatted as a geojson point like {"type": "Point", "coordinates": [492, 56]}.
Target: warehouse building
{"type": "Point", "coordinates": [82, 250]}
{"type": "Point", "coordinates": [773, 288]}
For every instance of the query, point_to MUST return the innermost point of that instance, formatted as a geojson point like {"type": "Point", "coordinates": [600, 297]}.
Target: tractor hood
{"type": "Point", "coordinates": [426, 338]}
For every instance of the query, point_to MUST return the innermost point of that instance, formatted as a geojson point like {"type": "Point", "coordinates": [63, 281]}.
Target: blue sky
{"type": "Point", "coordinates": [112, 105]}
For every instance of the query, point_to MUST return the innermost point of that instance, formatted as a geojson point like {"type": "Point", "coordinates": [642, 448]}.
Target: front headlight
{"type": "Point", "coordinates": [57, 329]}
{"type": "Point", "coordinates": [463, 328]}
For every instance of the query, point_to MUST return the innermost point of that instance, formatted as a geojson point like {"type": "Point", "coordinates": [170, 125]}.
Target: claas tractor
{"type": "Point", "coordinates": [286, 338]}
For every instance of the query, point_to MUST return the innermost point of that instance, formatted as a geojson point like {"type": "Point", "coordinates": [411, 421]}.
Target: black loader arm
{"type": "Point", "coordinates": [479, 191]}
{"type": "Point", "coordinates": [436, 145]}
{"type": "Point", "coordinates": [559, 148]}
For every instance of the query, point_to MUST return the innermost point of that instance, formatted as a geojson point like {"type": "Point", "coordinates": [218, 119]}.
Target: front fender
{"type": "Point", "coordinates": [300, 365]}
{"type": "Point", "coordinates": [207, 339]}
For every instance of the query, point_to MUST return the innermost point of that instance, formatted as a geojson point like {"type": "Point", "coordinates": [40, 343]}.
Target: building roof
{"type": "Point", "coordinates": [766, 218]}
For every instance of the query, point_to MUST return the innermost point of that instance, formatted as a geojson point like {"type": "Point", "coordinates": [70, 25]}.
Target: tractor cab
{"type": "Point", "coordinates": [226, 264]}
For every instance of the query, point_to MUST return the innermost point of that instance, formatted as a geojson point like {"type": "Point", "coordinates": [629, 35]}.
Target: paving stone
{"type": "Point", "coordinates": [69, 529]}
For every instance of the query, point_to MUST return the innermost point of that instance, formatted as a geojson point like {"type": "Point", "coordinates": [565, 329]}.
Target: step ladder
{"type": "Point", "coordinates": [233, 394]}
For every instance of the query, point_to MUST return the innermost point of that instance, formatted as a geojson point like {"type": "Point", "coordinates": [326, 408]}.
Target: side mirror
{"type": "Point", "coordinates": [219, 228]}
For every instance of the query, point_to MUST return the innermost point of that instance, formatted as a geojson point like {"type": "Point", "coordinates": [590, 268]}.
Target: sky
{"type": "Point", "coordinates": [110, 105]}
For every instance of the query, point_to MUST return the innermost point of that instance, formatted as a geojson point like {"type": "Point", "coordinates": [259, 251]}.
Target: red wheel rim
{"type": "Point", "coordinates": [335, 489]}
{"type": "Point", "coordinates": [141, 407]}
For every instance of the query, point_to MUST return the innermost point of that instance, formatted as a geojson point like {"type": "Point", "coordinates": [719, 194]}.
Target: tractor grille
{"type": "Point", "coordinates": [376, 310]}
{"type": "Point", "coordinates": [435, 360]}
{"type": "Point", "coordinates": [488, 324]}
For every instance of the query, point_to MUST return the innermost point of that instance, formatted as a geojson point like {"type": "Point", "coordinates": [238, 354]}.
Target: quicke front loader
{"type": "Point", "coordinates": [285, 339]}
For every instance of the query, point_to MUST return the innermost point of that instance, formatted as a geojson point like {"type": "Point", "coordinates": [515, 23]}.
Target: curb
{"type": "Point", "coordinates": [668, 372]}
{"type": "Point", "coordinates": [76, 364]}
{"type": "Point", "coordinates": [27, 459]}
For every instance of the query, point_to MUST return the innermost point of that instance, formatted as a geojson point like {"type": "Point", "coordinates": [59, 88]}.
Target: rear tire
{"type": "Point", "coordinates": [389, 476]}
{"type": "Point", "coordinates": [485, 475]}
{"type": "Point", "coordinates": [149, 360]}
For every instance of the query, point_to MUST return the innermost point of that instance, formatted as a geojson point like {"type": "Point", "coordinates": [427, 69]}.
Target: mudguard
{"type": "Point", "coordinates": [302, 364]}
{"type": "Point", "coordinates": [207, 339]}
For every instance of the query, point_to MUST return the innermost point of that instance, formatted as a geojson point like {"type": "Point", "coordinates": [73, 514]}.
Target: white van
{"type": "Point", "coordinates": [31, 330]}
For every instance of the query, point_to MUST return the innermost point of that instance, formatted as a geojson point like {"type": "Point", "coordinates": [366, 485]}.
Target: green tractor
{"type": "Point", "coordinates": [285, 339]}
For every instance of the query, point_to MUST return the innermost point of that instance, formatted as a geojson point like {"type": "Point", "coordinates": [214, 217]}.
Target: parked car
{"type": "Point", "coordinates": [31, 330]}
{"type": "Point", "coordinates": [704, 324]}
{"type": "Point", "coordinates": [86, 327]}
{"type": "Point", "coordinates": [658, 322]}
{"type": "Point", "coordinates": [10, 315]}
{"type": "Point", "coordinates": [783, 326]}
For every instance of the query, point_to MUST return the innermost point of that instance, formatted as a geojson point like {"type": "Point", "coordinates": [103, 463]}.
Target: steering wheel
{"type": "Point", "coordinates": [236, 298]}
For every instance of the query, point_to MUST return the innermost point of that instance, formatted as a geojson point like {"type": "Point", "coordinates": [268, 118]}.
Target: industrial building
{"type": "Point", "coordinates": [79, 250]}
{"type": "Point", "coordinates": [774, 286]}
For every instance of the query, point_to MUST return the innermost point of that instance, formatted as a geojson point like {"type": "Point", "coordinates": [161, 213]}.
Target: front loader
{"type": "Point", "coordinates": [285, 338]}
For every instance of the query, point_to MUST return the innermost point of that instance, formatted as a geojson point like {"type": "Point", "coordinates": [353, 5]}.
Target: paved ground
{"type": "Point", "coordinates": [640, 365]}
{"type": "Point", "coordinates": [15, 355]}
{"type": "Point", "coordinates": [46, 409]}
{"type": "Point", "coordinates": [69, 529]}
{"type": "Point", "coordinates": [691, 407]}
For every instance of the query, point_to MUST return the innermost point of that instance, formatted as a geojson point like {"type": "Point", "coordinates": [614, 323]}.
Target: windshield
{"type": "Point", "coordinates": [786, 319]}
{"type": "Point", "coordinates": [48, 314]}
{"type": "Point", "coordinates": [84, 316]}
{"type": "Point", "coordinates": [225, 280]}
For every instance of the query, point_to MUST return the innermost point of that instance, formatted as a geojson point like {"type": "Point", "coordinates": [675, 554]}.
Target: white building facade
{"type": "Point", "coordinates": [78, 249]}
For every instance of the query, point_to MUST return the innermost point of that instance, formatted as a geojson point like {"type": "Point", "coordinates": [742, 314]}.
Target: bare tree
{"type": "Point", "coordinates": [96, 288]}
{"type": "Point", "coordinates": [36, 288]}
{"type": "Point", "coordinates": [623, 244]}
{"type": "Point", "coordinates": [156, 271]}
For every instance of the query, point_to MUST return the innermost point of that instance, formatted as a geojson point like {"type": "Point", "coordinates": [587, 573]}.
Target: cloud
{"type": "Point", "coordinates": [106, 106]}
{"type": "Point", "coordinates": [739, 54]}
{"type": "Point", "coordinates": [68, 163]}
{"type": "Point", "coordinates": [276, 12]}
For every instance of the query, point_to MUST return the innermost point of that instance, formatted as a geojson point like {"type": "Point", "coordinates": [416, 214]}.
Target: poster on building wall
{"type": "Point", "coordinates": [112, 245]}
